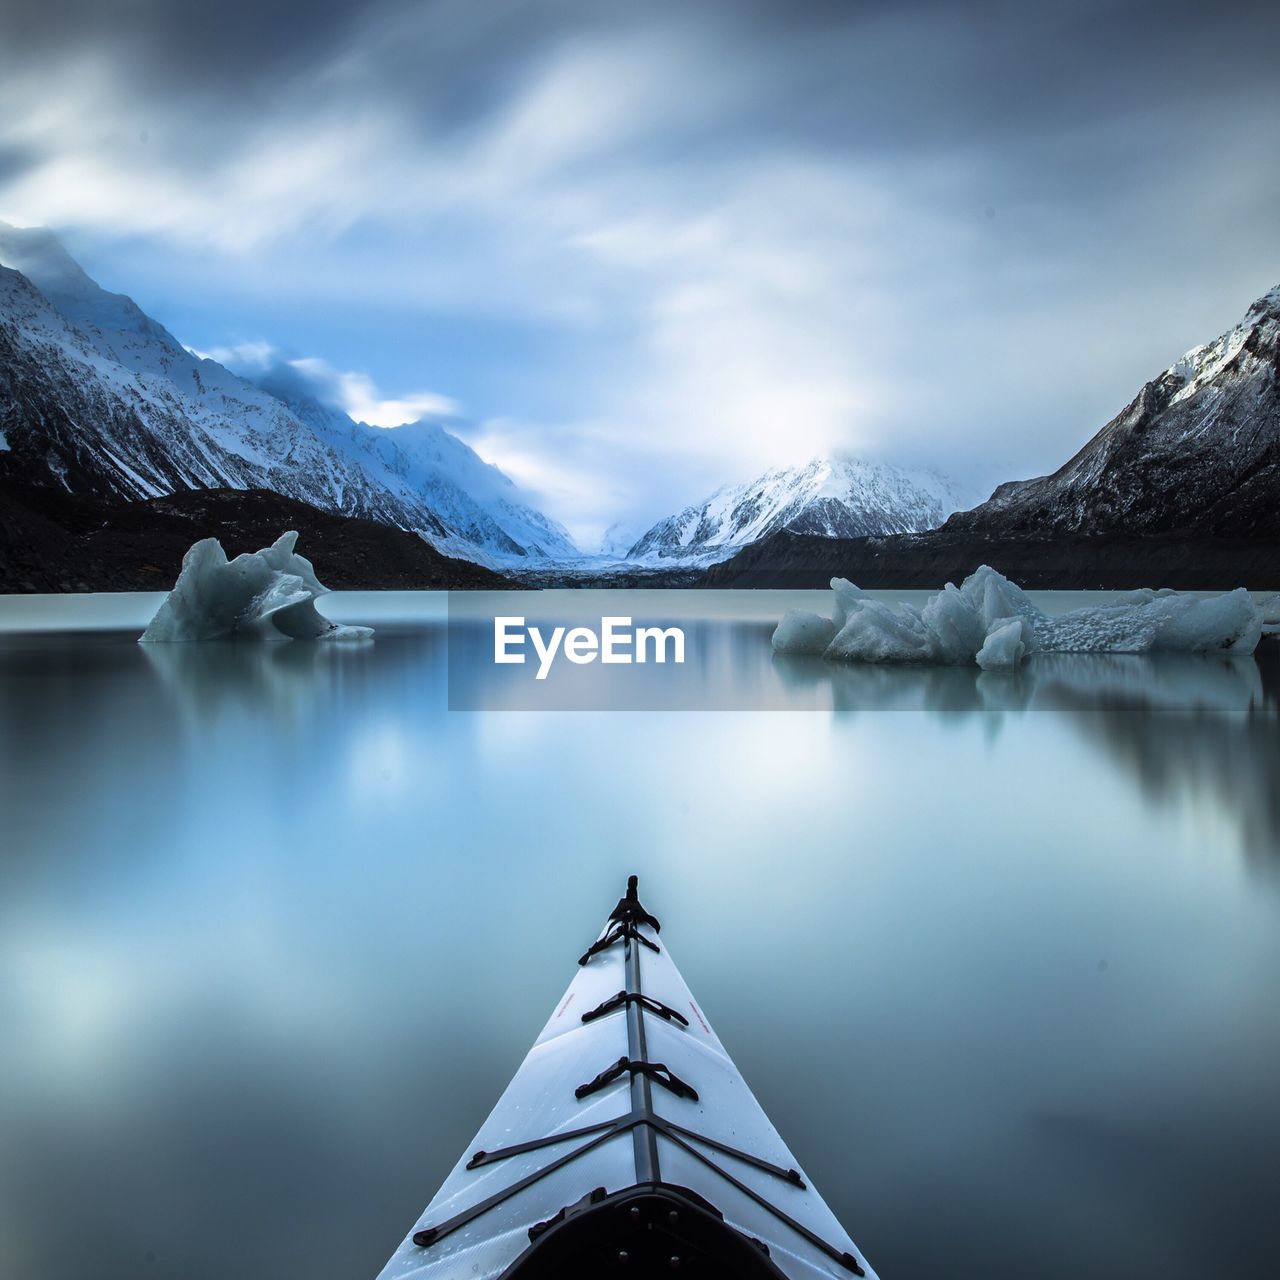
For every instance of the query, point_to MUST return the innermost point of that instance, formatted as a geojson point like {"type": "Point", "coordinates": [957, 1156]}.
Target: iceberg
{"type": "Point", "coordinates": [1004, 647]}
{"type": "Point", "coordinates": [848, 598]}
{"type": "Point", "coordinates": [875, 632]}
{"type": "Point", "coordinates": [266, 595]}
{"type": "Point", "coordinates": [1271, 615]}
{"type": "Point", "coordinates": [803, 632]}
{"type": "Point", "coordinates": [992, 622]}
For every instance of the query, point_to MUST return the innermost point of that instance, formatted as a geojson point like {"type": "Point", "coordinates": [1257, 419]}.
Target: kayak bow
{"type": "Point", "coordinates": [627, 1144]}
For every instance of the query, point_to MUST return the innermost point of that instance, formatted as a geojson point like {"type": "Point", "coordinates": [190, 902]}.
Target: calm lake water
{"type": "Point", "coordinates": [999, 954]}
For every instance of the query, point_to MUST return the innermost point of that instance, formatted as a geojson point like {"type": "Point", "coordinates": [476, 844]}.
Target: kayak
{"type": "Point", "coordinates": [627, 1144]}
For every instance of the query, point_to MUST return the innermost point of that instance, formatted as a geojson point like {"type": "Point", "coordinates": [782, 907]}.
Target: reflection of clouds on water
{"type": "Point", "coordinates": [260, 905]}
{"type": "Point", "coordinates": [165, 1077]}
{"type": "Point", "coordinates": [1190, 729]}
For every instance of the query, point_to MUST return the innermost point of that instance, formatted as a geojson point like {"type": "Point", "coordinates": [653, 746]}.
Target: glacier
{"type": "Point", "coordinates": [266, 595]}
{"type": "Point", "coordinates": [992, 622]}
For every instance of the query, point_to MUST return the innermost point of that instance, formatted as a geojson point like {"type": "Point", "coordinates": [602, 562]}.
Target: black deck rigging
{"type": "Point", "coordinates": [637, 1224]}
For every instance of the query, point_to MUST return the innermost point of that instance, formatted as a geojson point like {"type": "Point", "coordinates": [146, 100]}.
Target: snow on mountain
{"type": "Point", "coordinates": [96, 394]}
{"type": "Point", "coordinates": [1197, 448]}
{"type": "Point", "coordinates": [423, 461]}
{"type": "Point", "coordinates": [115, 326]}
{"type": "Point", "coordinates": [836, 497]}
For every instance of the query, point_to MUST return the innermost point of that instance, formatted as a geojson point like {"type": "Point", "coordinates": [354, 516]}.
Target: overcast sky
{"type": "Point", "coordinates": [647, 248]}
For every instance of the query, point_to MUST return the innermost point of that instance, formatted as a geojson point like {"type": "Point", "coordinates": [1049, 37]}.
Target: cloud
{"type": "Point", "coordinates": [661, 247]}
{"type": "Point", "coordinates": [356, 394]}
{"type": "Point", "coordinates": [585, 472]}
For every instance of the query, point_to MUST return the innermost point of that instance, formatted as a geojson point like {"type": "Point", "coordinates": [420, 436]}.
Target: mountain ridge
{"type": "Point", "coordinates": [1180, 488]}
{"type": "Point", "coordinates": [835, 496]}
{"type": "Point", "coordinates": [97, 397]}
{"type": "Point", "coordinates": [1198, 447]}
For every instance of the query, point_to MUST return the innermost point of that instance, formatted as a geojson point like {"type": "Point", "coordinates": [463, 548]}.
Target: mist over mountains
{"type": "Point", "coordinates": [1180, 488]}
{"type": "Point", "coordinates": [98, 400]}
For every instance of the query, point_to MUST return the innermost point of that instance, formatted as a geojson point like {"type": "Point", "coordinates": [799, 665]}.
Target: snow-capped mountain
{"type": "Point", "coordinates": [424, 461]}
{"type": "Point", "coordinates": [836, 497]}
{"type": "Point", "coordinates": [98, 396]}
{"type": "Point", "coordinates": [1198, 448]}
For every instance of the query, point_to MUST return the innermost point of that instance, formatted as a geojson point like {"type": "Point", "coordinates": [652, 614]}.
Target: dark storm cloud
{"type": "Point", "coordinates": [174, 42]}
{"type": "Point", "coordinates": [16, 160]}
{"type": "Point", "coordinates": [460, 66]}
{"type": "Point", "coordinates": [878, 76]}
{"type": "Point", "coordinates": [1032, 89]}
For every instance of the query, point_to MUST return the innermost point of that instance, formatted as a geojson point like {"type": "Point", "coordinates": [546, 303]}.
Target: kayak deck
{"type": "Point", "coordinates": [627, 1140]}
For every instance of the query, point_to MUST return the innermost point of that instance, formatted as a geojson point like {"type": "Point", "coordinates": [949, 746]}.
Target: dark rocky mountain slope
{"type": "Point", "coordinates": [98, 399]}
{"type": "Point", "coordinates": [1064, 562]}
{"type": "Point", "coordinates": [1180, 489]}
{"type": "Point", "coordinates": [55, 541]}
{"type": "Point", "coordinates": [1198, 448]}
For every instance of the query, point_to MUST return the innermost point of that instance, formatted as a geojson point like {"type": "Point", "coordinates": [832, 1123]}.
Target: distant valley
{"type": "Point", "coordinates": [108, 422]}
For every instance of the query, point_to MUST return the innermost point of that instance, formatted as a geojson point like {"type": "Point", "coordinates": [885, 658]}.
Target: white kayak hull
{"type": "Point", "coordinates": [626, 1139]}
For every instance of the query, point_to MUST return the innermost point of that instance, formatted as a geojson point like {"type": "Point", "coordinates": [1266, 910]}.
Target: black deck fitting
{"type": "Point", "coordinates": [658, 1072]}
{"type": "Point", "coordinates": [642, 1122]}
{"type": "Point", "coordinates": [629, 908]}
{"type": "Point", "coordinates": [624, 998]}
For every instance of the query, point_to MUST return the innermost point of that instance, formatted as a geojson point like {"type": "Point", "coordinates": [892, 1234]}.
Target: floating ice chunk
{"type": "Point", "coordinates": [873, 632]}
{"type": "Point", "coordinates": [1005, 646]}
{"type": "Point", "coordinates": [1112, 628]}
{"type": "Point", "coordinates": [991, 621]}
{"type": "Point", "coordinates": [996, 598]}
{"type": "Point", "coordinates": [848, 598]}
{"type": "Point", "coordinates": [1270, 607]}
{"type": "Point", "coordinates": [1169, 622]}
{"type": "Point", "coordinates": [1142, 595]}
{"type": "Point", "coordinates": [268, 594]}
{"type": "Point", "coordinates": [956, 625]}
{"type": "Point", "coordinates": [1229, 623]}
{"type": "Point", "coordinates": [802, 632]}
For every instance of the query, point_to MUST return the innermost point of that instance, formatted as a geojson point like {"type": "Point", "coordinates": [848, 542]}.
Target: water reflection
{"type": "Point", "coordinates": [214, 677]}
{"type": "Point", "coordinates": [1184, 683]}
{"type": "Point", "coordinates": [1189, 729]}
{"type": "Point", "coordinates": [1197, 733]}
{"type": "Point", "coordinates": [276, 926]}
